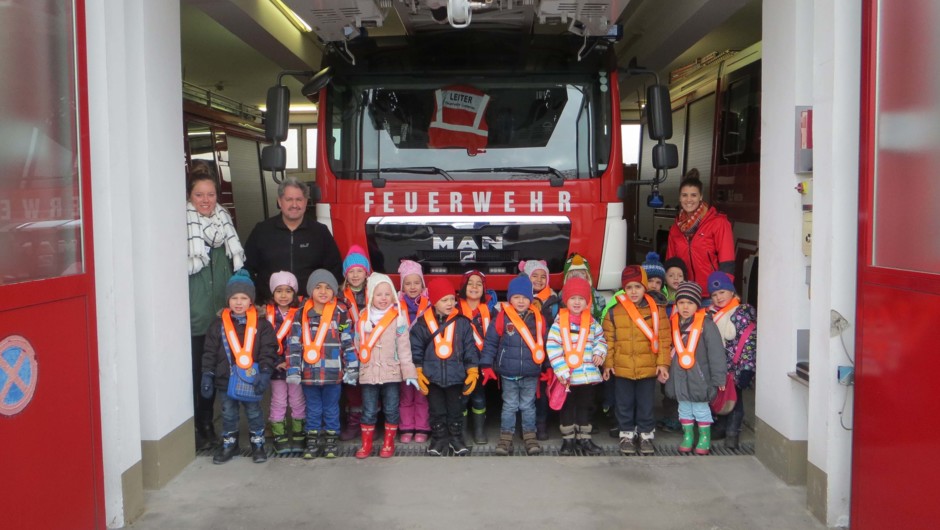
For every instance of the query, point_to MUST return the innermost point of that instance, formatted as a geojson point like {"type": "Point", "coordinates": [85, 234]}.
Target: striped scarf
{"type": "Point", "coordinates": [688, 222]}
{"type": "Point", "coordinates": [211, 232]}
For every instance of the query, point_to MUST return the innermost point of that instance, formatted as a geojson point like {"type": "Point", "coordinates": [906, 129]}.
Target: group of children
{"type": "Point", "coordinates": [421, 355]}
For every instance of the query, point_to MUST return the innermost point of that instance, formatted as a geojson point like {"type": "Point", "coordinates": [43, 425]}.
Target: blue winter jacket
{"type": "Point", "coordinates": [452, 370]}
{"type": "Point", "coordinates": [506, 352]}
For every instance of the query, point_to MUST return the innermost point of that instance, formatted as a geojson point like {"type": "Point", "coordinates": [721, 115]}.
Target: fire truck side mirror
{"type": "Point", "coordinates": [311, 89]}
{"type": "Point", "coordinates": [665, 156]}
{"type": "Point", "coordinates": [274, 158]}
{"type": "Point", "coordinates": [658, 112]}
{"type": "Point", "coordinates": [276, 117]}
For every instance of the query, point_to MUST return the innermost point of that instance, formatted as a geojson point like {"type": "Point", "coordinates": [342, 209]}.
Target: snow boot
{"type": "Point", "coordinates": [541, 431]}
{"type": "Point", "coordinates": [688, 438]}
{"type": "Point", "coordinates": [585, 443]}
{"type": "Point", "coordinates": [504, 446]}
{"type": "Point", "coordinates": [646, 443]}
{"type": "Point", "coordinates": [312, 449]}
{"type": "Point", "coordinates": [368, 432]}
{"type": "Point", "coordinates": [439, 440]}
{"type": "Point", "coordinates": [298, 436]}
{"type": "Point", "coordinates": [479, 427]}
{"type": "Point", "coordinates": [353, 429]}
{"type": "Point", "coordinates": [532, 446]}
{"type": "Point", "coordinates": [205, 436]}
{"type": "Point", "coordinates": [228, 449]}
{"type": "Point", "coordinates": [628, 442]}
{"type": "Point", "coordinates": [281, 440]}
{"type": "Point", "coordinates": [568, 444]}
{"type": "Point", "coordinates": [388, 443]}
{"type": "Point", "coordinates": [330, 449]}
{"type": "Point", "coordinates": [456, 439]}
{"type": "Point", "coordinates": [258, 454]}
{"type": "Point", "coordinates": [704, 439]}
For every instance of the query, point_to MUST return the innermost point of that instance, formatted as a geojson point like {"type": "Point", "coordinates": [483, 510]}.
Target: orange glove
{"type": "Point", "coordinates": [489, 375]}
{"type": "Point", "coordinates": [471, 381]}
{"type": "Point", "coordinates": [423, 381]}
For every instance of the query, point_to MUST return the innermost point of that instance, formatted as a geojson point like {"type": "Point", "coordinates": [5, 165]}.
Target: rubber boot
{"type": "Point", "coordinates": [258, 454]}
{"type": "Point", "coordinates": [281, 440]}
{"type": "Point", "coordinates": [479, 427]}
{"type": "Point", "coordinates": [456, 439]}
{"type": "Point", "coordinates": [388, 443]}
{"type": "Point", "coordinates": [312, 443]}
{"type": "Point", "coordinates": [298, 436]}
{"type": "Point", "coordinates": [532, 446]}
{"type": "Point", "coordinates": [541, 431]}
{"type": "Point", "coordinates": [568, 444]}
{"type": "Point", "coordinates": [439, 440]}
{"type": "Point", "coordinates": [228, 449]}
{"type": "Point", "coordinates": [352, 430]}
{"type": "Point", "coordinates": [504, 446]}
{"type": "Point", "coordinates": [688, 438]}
{"type": "Point", "coordinates": [368, 431]}
{"type": "Point", "coordinates": [330, 449]}
{"type": "Point", "coordinates": [585, 443]}
{"type": "Point", "coordinates": [704, 439]}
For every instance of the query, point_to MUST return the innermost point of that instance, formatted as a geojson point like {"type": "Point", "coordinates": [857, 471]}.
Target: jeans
{"type": "Point", "coordinates": [634, 404]}
{"type": "Point", "coordinates": [230, 415]}
{"type": "Point", "coordinates": [370, 403]}
{"type": "Point", "coordinates": [445, 404]}
{"type": "Point", "coordinates": [518, 395]}
{"type": "Point", "coordinates": [322, 406]}
{"type": "Point", "coordinates": [202, 407]}
{"type": "Point", "coordinates": [281, 394]}
{"type": "Point", "coordinates": [695, 410]}
{"type": "Point", "coordinates": [413, 409]}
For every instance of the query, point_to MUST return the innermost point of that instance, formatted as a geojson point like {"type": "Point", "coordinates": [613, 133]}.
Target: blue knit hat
{"type": "Point", "coordinates": [521, 284]}
{"type": "Point", "coordinates": [240, 282]}
{"type": "Point", "coordinates": [654, 268]}
{"type": "Point", "coordinates": [718, 281]}
{"type": "Point", "coordinates": [356, 257]}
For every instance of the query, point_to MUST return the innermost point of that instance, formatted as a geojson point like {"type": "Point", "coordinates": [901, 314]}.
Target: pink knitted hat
{"type": "Point", "coordinates": [408, 268]}
{"type": "Point", "coordinates": [283, 278]}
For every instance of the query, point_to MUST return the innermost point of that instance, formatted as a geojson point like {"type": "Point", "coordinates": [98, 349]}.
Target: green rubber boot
{"type": "Point", "coordinates": [298, 437]}
{"type": "Point", "coordinates": [688, 438]}
{"type": "Point", "coordinates": [704, 439]}
{"type": "Point", "coordinates": [281, 441]}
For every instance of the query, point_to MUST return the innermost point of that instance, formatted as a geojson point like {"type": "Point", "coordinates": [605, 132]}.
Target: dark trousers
{"type": "Point", "coordinates": [736, 418]}
{"type": "Point", "coordinates": [445, 404]}
{"type": "Point", "coordinates": [541, 403]}
{"type": "Point", "coordinates": [634, 402]}
{"type": "Point", "coordinates": [202, 407]}
{"type": "Point", "coordinates": [578, 406]}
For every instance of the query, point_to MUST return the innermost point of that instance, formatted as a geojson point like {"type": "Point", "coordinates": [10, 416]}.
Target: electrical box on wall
{"type": "Point", "coordinates": [804, 140]}
{"type": "Point", "coordinates": [807, 234]}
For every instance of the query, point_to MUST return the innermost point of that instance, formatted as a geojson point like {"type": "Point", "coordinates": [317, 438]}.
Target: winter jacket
{"type": "Point", "coordinates": [216, 360]}
{"type": "Point", "coordinates": [283, 355]}
{"type": "Point", "coordinates": [700, 383]}
{"type": "Point", "coordinates": [742, 317]}
{"type": "Point", "coordinates": [272, 247]}
{"type": "Point", "coordinates": [711, 246]}
{"type": "Point", "coordinates": [207, 291]}
{"type": "Point", "coordinates": [628, 349]}
{"type": "Point", "coordinates": [338, 354]}
{"type": "Point", "coordinates": [452, 370]}
{"type": "Point", "coordinates": [391, 358]}
{"type": "Point", "coordinates": [504, 349]}
{"type": "Point", "coordinates": [587, 373]}
{"type": "Point", "coordinates": [360, 299]}
{"type": "Point", "coordinates": [548, 308]}
{"type": "Point", "coordinates": [412, 306]}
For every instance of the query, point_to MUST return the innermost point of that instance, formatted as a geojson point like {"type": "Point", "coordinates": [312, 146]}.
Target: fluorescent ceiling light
{"type": "Point", "coordinates": [298, 22]}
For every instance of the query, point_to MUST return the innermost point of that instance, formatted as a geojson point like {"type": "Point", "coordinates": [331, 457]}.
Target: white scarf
{"type": "Point", "coordinates": [211, 232]}
{"type": "Point", "coordinates": [726, 326]}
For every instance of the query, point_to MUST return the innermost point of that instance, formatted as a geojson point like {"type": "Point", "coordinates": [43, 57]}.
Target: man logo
{"type": "Point", "coordinates": [467, 243]}
{"type": "Point", "coordinates": [468, 255]}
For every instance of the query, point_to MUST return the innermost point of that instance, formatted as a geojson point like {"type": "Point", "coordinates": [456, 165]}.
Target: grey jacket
{"type": "Point", "coordinates": [699, 383]}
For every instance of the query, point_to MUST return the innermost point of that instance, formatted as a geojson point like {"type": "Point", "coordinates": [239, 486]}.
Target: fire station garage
{"type": "Point", "coordinates": [507, 137]}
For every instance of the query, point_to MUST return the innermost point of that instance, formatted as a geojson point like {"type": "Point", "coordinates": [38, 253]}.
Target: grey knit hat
{"type": "Point", "coordinates": [322, 276]}
{"type": "Point", "coordinates": [689, 291]}
{"type": "Point", "coordinates": [240, 282]}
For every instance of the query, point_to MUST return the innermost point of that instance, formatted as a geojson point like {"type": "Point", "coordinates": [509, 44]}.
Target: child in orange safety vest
{"type": "Point", "coordinates": [356, 270]}
{"type": "Point", "coordinates": [415, 421]}
{"type": "Point", "coordinates": [479, 305]}
{"type": "Point", "coordinates": [280, 312]}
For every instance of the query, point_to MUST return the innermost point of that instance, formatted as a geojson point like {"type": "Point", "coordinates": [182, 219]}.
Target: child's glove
{"type": "Point", "coordinates": [293, 376]}
{"type": "Point", "coordinates": [262, 382]}
{"type": "Point", "coordinates": [414, 382]}
{"type": "Point", "coordinates": [489, 375]}
{"type": "Point", "coordinates": [351, 376]}
{"type": "Point", "coordinates": [206, 387]}
{"type": "Point", "coordinates": [471, 381]}
{"type": "Point", "coordinates": [422, 381]}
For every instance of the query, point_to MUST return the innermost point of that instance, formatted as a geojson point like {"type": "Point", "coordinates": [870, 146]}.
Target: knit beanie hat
{"type": "Point", "coordinates": [577, 262]}
{"type": "Point", "coordinates": [408, 267]}
{"type": "Point", "coordinates": [689, 291]}
{"type": "Point", "coordinates": [718, 281]}
{"type": "Point", "coordinates": [283, 278]}
{"type": "Point", "coordinates": [521, 284]}
{"type": "Point", "coordinates": [240, 282]}
{"type": "Point", "coordinates": [576, 287]}
{"type": "Point", "coordinates": [376, 279]}
{"type": "Point", "coordinates": [439, 288]}
{"type": "Point", "coordinates": [356, 257]}
{"type": "Point", "coordinates": [678, 263]}
{"type": "Point", "coordinates": [530, 266]}
{"type": "Point", "coordinates": [322, 276]}
{"type": "Point", "coordinates": [653, 268]}
{"type": "Point", "coordinates": [633, 273]}
{"type": "Point", "coordinates": [466, 280]}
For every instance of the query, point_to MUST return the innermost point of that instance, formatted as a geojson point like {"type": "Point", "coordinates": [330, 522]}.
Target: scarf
{"type": "Point", "coordinates": [688, 222]}
{"type": "Point", "coordinates": [211, 232]}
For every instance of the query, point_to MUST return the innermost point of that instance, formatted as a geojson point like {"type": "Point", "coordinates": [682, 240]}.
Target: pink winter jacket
{"type": "Point", "coordinates": [391, 359]}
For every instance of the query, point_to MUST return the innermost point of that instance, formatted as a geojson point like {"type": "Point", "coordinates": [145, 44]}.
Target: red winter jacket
{"type": "Point", "coordinates": [710, 249]}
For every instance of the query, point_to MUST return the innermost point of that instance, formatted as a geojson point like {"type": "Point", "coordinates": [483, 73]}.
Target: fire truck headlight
{"type": "Point", "coordinates": [438, 270]}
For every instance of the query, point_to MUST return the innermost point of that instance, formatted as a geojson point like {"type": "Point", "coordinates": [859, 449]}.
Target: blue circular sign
{"type": "Point", "coordinates": [18, 374]}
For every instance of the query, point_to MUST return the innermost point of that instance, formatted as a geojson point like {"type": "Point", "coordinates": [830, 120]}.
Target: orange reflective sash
{"type": "Point", "coordinates": [734, 303]}
{"type": "Point", "coordinates": [241, 354]}
{"type": "Point", "coordinates": [314, 349]}
{"type": "Point", "coordinates": [536, 345]}
{"type": "Point", "coordinates": [443, 341]}
{"type": "Point", "coordinates": [484, 317]}
{"type": "Point", "coordinates": [544, 294]}
{"type": "Point", "coordinates": [651, 334]}
{"type": "Point", "coordinates": [574, 354]}
{"type": "Point", "coordinates": [686, 352]}
{"type": "Point", "coordinates": [285, 326]}
{"type": "Point", "coordinates": [368, 340]}
{"type": "Point", "coordinates": [353, 306]}
{"type": "Point", "coordinates": [422, 306]}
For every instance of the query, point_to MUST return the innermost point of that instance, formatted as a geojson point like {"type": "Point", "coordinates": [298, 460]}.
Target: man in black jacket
{"type": "Point", "coordinates": [291, 242]}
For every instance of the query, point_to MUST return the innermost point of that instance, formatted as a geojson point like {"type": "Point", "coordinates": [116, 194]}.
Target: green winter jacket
{"type": "Point", "coordinates": [207, 291]}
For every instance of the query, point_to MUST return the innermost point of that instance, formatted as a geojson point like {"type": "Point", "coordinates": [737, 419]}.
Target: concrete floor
{"type": "Point", "coordinates": [688, 492]}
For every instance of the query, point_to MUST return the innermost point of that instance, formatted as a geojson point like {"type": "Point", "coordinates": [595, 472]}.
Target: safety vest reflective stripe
{"type": "Point", "coordinates": [484, 317]}
{"type": "Point", "coordinates": [686, 352]}
{"type": "Point", "coordinates": [651, 334]}
{"type": "Point", "coordinates": [574, 354]}
{"type": "Point", "coordinates": [282, 331]}
{"type": "Point", "coordinates": [458, 119]}
{"type": "Point", "coordinates": [536, 345]}
{"type": "Point", "coordinates": [353, 306]}
{"type": "Point", "coordinates": [443, 341]}
{"type": "Point", "coordinates": [242, 355]}
{"type": "Point", "coordinates": [422, 306]}
{"type": "Point", "coordinates": [368, 340]}
{"type": "Point", "coordinates": [726, 310]}
{"type": "Point", "coordinates": [313, 349]}
{"type": "Point", "coordinates": [544, 294]}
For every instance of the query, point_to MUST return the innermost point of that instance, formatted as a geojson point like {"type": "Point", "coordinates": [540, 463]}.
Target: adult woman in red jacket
{"type": "Point", "coordinates": [701, 236]}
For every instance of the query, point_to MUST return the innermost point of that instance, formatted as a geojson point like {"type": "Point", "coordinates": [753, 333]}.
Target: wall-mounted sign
{"type": "Point", "coordinates": [18, 374]}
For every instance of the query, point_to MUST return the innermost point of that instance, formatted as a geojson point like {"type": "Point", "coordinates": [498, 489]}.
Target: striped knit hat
{"type": "Point", "coordinates": [633, 273]}
{"type": "Point", "coordinates": [356, 257]}
{"type": "Point", "coordinates": [689, 291]}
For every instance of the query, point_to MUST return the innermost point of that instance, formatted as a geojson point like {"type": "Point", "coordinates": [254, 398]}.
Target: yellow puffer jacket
{"type": "Point", "coordinates": [628, 349]}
